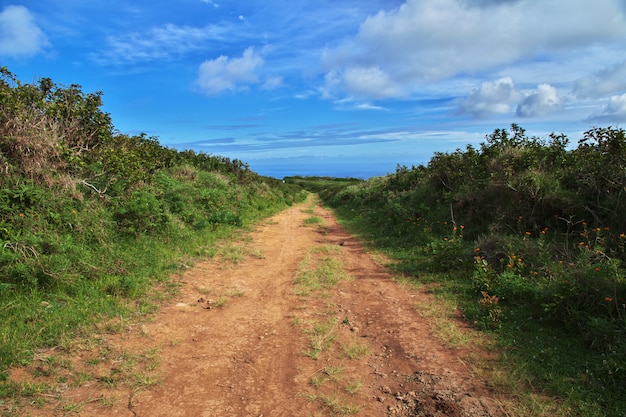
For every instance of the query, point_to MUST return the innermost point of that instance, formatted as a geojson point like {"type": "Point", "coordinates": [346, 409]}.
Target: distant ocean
{"type": "Point", "coordinates": [339, 167]}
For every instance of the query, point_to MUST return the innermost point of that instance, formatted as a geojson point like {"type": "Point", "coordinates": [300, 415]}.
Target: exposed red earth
{"type": "Point", "coordinates": [237, 339]}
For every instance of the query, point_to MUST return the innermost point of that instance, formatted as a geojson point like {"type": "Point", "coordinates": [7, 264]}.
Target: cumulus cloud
{"type": "Point", "coordinates": [369, 82]}
{"type": "Point", "coordinates": [543, 101]}
{"type": "Point", "coordinates": [491, 97]}
{"type": "Point", "coordinates": [602, 83]}
{"type": "Point", "coordinates": [229, 74]}
{"type": "Point", "coordinates": [613, 112]}
{"type": "Point", "coordinates": [20, 36]}
{"type": "Point", "coordinates": [430, 40]}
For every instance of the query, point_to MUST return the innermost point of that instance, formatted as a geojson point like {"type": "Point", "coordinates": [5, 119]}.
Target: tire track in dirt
{"type": "Point", "coordinates": [246, 357]}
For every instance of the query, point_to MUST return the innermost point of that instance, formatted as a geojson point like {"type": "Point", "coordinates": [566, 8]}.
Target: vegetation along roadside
{"type": "Point", "coordinates": [527, 237]}
{"type": "Point", "coordinates": [92, 219]}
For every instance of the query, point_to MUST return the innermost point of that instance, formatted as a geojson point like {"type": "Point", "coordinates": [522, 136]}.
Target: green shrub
{"type": "Point", "coordinates": [91, 218]}
{"type": "Point", "coordinates": [141, 212]}
{"type": "Point", "coordinates": [450, 253]}
{"type": "Point", "coordinates": [544, 235]}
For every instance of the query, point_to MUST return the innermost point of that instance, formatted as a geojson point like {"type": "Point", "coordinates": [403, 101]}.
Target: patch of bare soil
{"type": "Point", "coordinates": [236, 340]}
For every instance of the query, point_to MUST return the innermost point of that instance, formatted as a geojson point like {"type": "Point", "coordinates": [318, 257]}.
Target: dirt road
{"type": "Point", "coordinates": [243, 339]}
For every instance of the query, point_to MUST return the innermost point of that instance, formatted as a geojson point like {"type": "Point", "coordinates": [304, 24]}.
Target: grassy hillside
{"type": "Point", "coordinates": [91, 219]}
{"type": "Point", "coordinates": [527, 235]}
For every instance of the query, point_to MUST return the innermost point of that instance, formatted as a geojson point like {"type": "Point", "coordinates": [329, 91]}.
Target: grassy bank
{"type": "Point", "coordinates": [91, 220]}
{"type": "Point", "coordinates": [527, 237]}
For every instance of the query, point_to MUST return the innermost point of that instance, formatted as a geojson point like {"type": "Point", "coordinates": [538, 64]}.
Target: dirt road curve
{"type": "Point", "coordinates": [238, 339]}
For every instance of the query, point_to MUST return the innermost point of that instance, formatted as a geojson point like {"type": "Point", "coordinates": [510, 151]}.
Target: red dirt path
{"type": "Point", "coordinates": [248, 356]}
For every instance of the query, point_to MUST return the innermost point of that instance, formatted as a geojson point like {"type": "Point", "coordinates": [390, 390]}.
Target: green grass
{"type": "Point", "coordinates": [232, 253]}
{"type": "Point", "coordinates": [515, 249]}
{"type": "Point", "coordinates": [334, 403]}
{"type": "Point", "coordinates": [544, 364]}
{"type": "Point", "coordinates": [326, 249]}
{"type": "Point", "coordinates": [91, 238]}
{"type": "Point", "coordinates": [356, 350]}
{"type": "Point", "coordinates": [333, 372]}
{"type": "Point", "coordinates": [318, 380]}
{"type": "Point", "coordinates": [314, 220]}
{"type": "Point", "coordinates": [442, 313]}
{"type": "Point", "coordinates": [353, 387]}
{"type": "Point", "coordinates": [105, 290]}
{"type": "Point", "coordinates": [76, 408]}
{"type": "Point", "coordinates": [318, 273]}
{"type": "Point", "coordinates": [321, 338]}
{"type": "Point", "coordinates": [235, 293]}
{"type": "Point", "coordinates": [220, 302]}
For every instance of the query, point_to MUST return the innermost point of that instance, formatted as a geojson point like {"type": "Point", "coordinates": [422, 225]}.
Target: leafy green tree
{"type": "Point", "coordinates": [598, 170]}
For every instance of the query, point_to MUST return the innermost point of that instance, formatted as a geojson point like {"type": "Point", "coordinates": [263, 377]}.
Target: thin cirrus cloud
{"type": "Point", "coordinates": [413, 45]}
{"type": "Point", "coordinates": [272, 83]}
{"type": "Point", "coordinates": [606, 81]}
{"type": "Point", "coordinates": [165, 42]}
{"type": "Point", "coordinates": [212, 3]}
{"type": "Point", "coordinates": [20, 36]}
{"type": "Point", "coordinates": [613, 112]}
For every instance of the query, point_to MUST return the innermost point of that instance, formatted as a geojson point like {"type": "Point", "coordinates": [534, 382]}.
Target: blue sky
{"type": "Point", "coordinates": [327, 87]}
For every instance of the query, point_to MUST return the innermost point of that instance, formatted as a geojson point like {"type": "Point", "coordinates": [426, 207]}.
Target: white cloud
{"type": "Point", "coordinates": [305, 95]}
{"type": "Point", "coordinates": [369, 82]}
{"type": "Point", "coordinates": [491, 97]}
{"type": "Point", "coordinates": [20, 36]}
{"type": "Point", "coordinates": [212, 3]}
{"type": "Point", "coordinates": [272, 83]}
{"type": "Point", "coordinates": [607, 81]}
{"type": "Point", "coordinates": [498, 96]}
{"type": "Point", "coordinates": [163, 42]}
{"type": "Point", "coordinates": [229, 74]}
{"type": "Point", "coordinates": [368, 106]}
{"type": "Point", "coordinates": [613, 112]}
{"type": "Point", "coordinates": [543, 101]}
{"type": "Point", "coordinates": [430, 40]}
